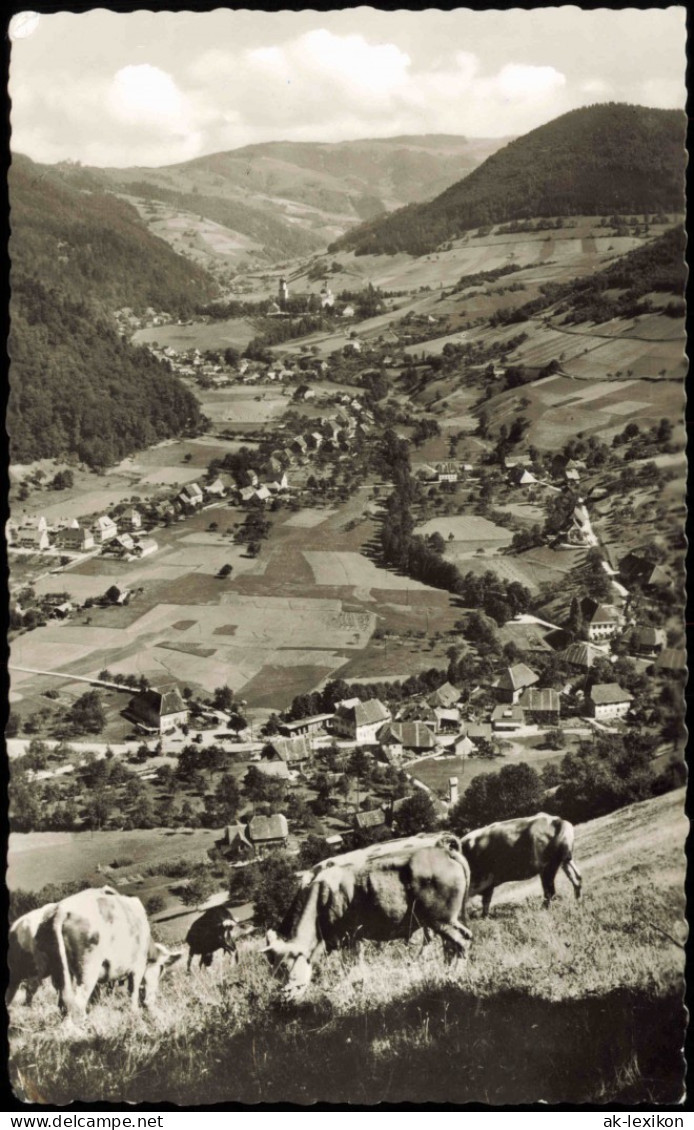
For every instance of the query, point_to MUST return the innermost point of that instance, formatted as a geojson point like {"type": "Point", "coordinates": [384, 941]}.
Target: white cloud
{"type": "Point", "coordinates": [144, 95]}
{"type": "Point", "coordinates": [165, 103]}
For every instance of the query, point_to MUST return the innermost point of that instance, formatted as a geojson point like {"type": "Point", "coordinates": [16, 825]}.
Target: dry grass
{"type": "Point", "coordinates": [583, 1004]}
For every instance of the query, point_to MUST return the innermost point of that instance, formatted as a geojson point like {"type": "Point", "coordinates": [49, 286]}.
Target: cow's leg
{"type": "Point", "coordinates": [190, 959]}
{"type": "Point", "coordinates": [31, 988]}
{"type": "Point", "coordinates": [487, 901]}
{"type": "Point", "coordinates": [134, 988]}
{"type": "Point", "coordinates": [548, 876]}
{"type": "Point", "coordinates": [573, 875]}
{"type": "Point", "coordinates": [12, 987]}
{"type": "Point", "coordinates": [455, 938]}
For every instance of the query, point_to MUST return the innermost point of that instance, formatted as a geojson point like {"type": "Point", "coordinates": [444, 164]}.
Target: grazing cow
{"type": "Point", "coordinates": [214, 930]}
{"type": "Point", "coordinates": [512, 850]}
{"type": "Point", "coordinates": [25, 960]}
{"type": "Point", "coordinates": [382, 896]}
{"type": "Point", "coordinates": [98, 936]}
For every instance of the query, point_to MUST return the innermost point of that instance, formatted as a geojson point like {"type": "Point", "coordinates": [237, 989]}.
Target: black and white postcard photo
{"type": "Point", "coordinates": [347, 655]}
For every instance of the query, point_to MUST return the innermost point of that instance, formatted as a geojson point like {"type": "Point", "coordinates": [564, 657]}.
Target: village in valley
{"type": "Point", "coordinates": [347, 504]}
{"type": "Point", "coordinates": [247, 614]}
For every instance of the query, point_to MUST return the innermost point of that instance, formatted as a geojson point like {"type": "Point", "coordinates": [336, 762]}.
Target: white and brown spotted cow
{"type": "Point", "coordinates": [101, 936]}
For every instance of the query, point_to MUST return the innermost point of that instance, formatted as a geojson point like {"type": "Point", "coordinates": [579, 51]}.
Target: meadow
{"type": "Point", "coordinates": [581, 1004]}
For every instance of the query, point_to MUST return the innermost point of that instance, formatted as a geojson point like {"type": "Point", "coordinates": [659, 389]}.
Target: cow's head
{"type": "Point", "coordinates": [287, 955]}
{"type": "Point", "coordinates": [159, 959]}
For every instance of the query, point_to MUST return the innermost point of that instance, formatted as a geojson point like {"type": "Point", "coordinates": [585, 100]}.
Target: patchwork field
{"type": "Point", "coordinates": [235, 332]}
{"type": "Point", "coordinates": [37, 858]}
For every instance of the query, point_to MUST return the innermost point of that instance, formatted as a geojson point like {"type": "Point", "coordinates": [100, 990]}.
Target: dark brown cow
{"type": "Point", "coordinates": [385, 896]}
{"type": "Point", "coordinates": [512, 850]}
{"type": "Point", "coordinates": [214, 930]}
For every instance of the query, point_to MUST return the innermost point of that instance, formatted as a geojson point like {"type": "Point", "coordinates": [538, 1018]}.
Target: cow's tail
{"type": "Point", "coordinates": [564, 833]}
{"type": "Point", "coordinates": [455, 851]}
{"type": "Point", "coordinates": [60, 971]}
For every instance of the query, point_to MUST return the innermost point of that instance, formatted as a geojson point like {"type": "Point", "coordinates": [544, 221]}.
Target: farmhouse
{"type": "Point", "coordinates": [463, 746]}
{"type": "Point", "coordinates": [216, 489]}
{"type": "Point", "coordinates": [601, 620]}
{"type": "Point", "coordinates": [295, 751]}
{"type": "Point", "coordinates": [268, 833]}
{"type": "Point", "coordinates": [608, 700]}
{"type": "Point", "coordinates": [447, 721]}
{"type": "Point", "coordinates": [191, 497]}
{"type": "Point", "coordinates": [362, 721]}
{"type": "Point", "coordinates": [34, 535]}
{"type": "Point", "coordinates": [480, 731]}
{"type": "Point", "coordinates": [445, 696]}
{"type": "Point", "coordinates": [235, 843]}
{"type": "Point", "coordinates": [305, 725]}
{"type": "Point", "coordinates": [648, 641]}
{"type": "Point", "coordinates": [406, 737]}
{"type": "Point", "coordinates": [513, 681]}
{"type": "Point", "coordinates": [76, 537]}
{"type": "Point", "coordinates": [447, 472]}
{"type": "Point", "coordinates": [506, 719]}
{"type": "Point", "coordinates": [105, 529]}
{"type": "Point", "coordinates": [417, 712]}
{"type": "Point", "coordinates": [637, 570]}
{"type": "Point", "coordinates": [376, 818]}
{"type": "Point", "coordinates": [543, 706]}
{"type": "Point", "coordinates": [581, 655]}
{"type": "Point", "coordinates": [158, 710]}
{"type": "Point", "coordinates": [144, 546]}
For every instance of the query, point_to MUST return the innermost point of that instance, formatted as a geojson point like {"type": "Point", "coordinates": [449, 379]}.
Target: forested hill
{"type": "Point", "coordinates": [77, 389]}
{"type": "Point", "coordinates": [92, 245]}
{"type": "Point", "coordinates": [609, 158]}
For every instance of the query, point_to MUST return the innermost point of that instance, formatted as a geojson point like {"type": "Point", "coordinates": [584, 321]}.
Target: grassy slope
{"type": "Point", "coordinates": [583, 1004]}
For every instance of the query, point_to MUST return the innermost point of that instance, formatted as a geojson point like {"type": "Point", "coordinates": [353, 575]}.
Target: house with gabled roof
{"type": "Point", "coordinates": [446, 696]}
{"type": "Point", "coordinates": [105, 529]}
{"type": "Point", "coordinates": [542, 706]}
{"type": "Point", "coordinates": [295, 751]}
{"type": "Point", "coordinates": [581, 654]}
{"type": "Point", "coordinates": [74, 536]}
{"type": "Point", "coordinates": [158, 710]}
{"type": "Point", "coordinates": [375, 818]}
{"type": "Point", "coordinates": [635, 569]}
{"type": "Point", "coordinates": [602, 620]}
{"type": "Point", "coordinates": [609, 700]}
{"type": "Point", "coordinates": [648, 641]}
{"type": "Point", "coordinates": [216, 489]}
{"type": "Point", "coordinates": [191, 497]}
{"type": "Point", "coordinates": [406, 737]}
{"type": "Point", "coordinates": [268, 833]}
{"type": "Point", "coordinates": [509, 686]}
{"type": "Point", "coordinates": [362, 721]}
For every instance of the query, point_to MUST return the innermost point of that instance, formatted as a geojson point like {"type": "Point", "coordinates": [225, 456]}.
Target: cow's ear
{"type": "Point", "coordinates": [172, 958]}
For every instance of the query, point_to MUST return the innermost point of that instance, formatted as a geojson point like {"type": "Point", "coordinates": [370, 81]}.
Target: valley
{"type": "Point", "coordinates": [388, 538]}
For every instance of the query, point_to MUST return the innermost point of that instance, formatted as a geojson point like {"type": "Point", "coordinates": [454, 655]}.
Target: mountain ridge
{"type": "Point", "coordinates": [609, 157]}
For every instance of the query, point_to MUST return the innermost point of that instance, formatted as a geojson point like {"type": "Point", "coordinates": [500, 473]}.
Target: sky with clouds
{"type": "Point", "coordinates": [147, 88]}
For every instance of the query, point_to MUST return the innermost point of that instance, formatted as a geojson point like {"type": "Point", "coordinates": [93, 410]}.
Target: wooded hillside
{"type": "Point", "coordinates": [596, 160]}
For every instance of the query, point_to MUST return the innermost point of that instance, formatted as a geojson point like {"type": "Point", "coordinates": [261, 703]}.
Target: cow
{"type": "Point", "coordinates": [383, 896]}
{"type": "Point", "coordinates": [513, 850]}
{"type": "Point", "coordinates": [25, 960]}
{"type": "Point", "coordinates": [214, 930]}
{"type": "Point", "coordinates": [101, 936]}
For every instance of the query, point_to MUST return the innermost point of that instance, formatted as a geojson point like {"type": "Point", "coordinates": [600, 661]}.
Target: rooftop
{"type": "Point", "coordinates": [606, 694]}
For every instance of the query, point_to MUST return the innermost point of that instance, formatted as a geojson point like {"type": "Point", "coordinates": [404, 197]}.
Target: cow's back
{"type": "Point", "coordinates": [390, 896]}
{"type": "Point", "coordinates": [107, 930]}
{"type": "Point", "coordinates": [514, 850]}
